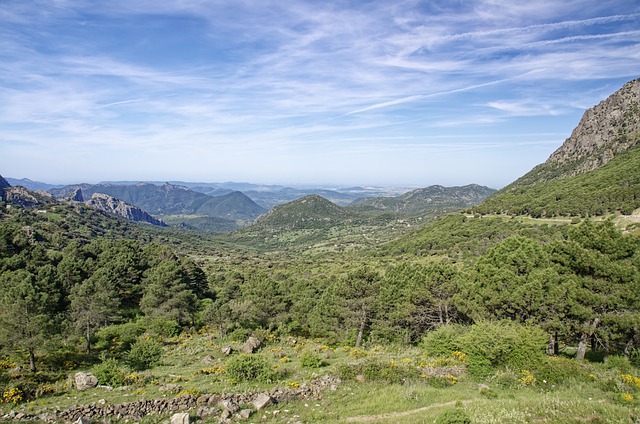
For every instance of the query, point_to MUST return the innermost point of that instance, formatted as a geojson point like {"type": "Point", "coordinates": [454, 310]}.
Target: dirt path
{"type": "Point", "coordinates": [388, 415]}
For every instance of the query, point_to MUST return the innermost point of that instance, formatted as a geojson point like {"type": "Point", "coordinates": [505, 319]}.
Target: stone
{"type": "Point", "coordinates": [251, 345]}
{"type": "Point", "coordinates": [82, 420]}
{"type": "Point", "coordinates": [180, 418]}
{"type": "Point", "coordinates": [262, 401]}
{"type": "Point", "coordinates": [171, 387]}
{"type": "Point", "coordinates": [226, 350]}
{"type": "Point", "coordinates": [207, 411]}
{"type": "Point", "coordinates": [244, 414]}
{"type": "Point", "coordinates": [84, 380]}
{"type": "Point", "coordinates": [228, 405]}
{"type": "Point", "coordinates": [208, 359]}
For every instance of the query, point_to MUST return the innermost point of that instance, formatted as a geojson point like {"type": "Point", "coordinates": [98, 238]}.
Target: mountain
{"type": "Point", "coordinates": [171, 199]}
{"type": "Point", "coordinates": [309, 212]}
{"type": "Point", "coordinates": [116, 206]}
{"type": "Point", "coordinates": [166, 199]}
{"type": "Point", "coordinates": [232, 206]}
{"type": "Point", "coordinates": [594, 172]}
{"type": "Point", "coordinates": [4, 183]}
{"type": "Point", "coordinates": [427, 199]}
{"type": "Point", "coordinates": [30, 184]}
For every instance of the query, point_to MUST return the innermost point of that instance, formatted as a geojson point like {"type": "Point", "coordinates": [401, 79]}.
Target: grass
{"type": "Point", "coordinates": [598, 394]}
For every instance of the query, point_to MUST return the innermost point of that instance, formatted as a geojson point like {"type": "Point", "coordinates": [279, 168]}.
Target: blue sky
{"type": "Point", "coordinates": [407, 93]}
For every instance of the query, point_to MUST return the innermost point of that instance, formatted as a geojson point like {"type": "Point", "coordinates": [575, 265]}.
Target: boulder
{"type": "Point", "coordinates": [226, 350]}
{"type": "Point", "coordinates": [244, 414]}
{"type": "Point", "coordinates": [262, 401]}
{"type": "Point", "coordinates": [84, 380]}
{"type": "Point", "coordinates": [180, 418]}
{"type": "Point", "coordinates": [228, 405]}
{"type": "Point", "coordinates": [251, 345]}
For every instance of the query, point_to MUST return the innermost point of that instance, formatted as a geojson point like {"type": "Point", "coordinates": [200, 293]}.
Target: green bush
{"type": "Point", "coordinates": [144, 354]}
{"type": "Point", "coordinates": [109, 373]}
{"type": "Point", "coordinates": [556, 370]}
{"type": "Point", "coordinates": [491, 345]}
{"type": "Point", "coordinates": [250, 367]}
{"type": "Point", "coordinates": [161, 327]}
{"type": "Point", "coordinates": [311, 359]}
{"type": "Point", "coordinates": [443, 341]}
{"type": "Point", "coordinates": [118, 338]}
{"type": "Point", "coordinates": [453, 416]}
{"type": "Point", "coordinates": [377, 370]}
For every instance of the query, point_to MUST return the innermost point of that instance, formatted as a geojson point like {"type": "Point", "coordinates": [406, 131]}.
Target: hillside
{"type": "Point", "coordinates": [432, 198]}
{"type": "Point", "coordinates": [594, 172]}
{"type": "Point", "coordinates": [116, 206]}
{"type": "Point", "coordinates": [232, 206]}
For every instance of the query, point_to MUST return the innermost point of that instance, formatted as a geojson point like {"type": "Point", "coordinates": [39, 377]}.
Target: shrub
{"type": "Point", "coordinates": [311, 359]}
{"type": "Point", "coordinates": [144, 354]}
{"type": "Point", "coordinates": [250, 367]}
{"type": "Point", "coordinates": [453, 416]}
{"type": "Point", "coordinates": [443, 341]}
{"type": "Point", "coordinates": [118, 338]}
{"type": "Point", "coordinates": [377, 370]}
{"type": "Point", "coordinates": [504, 343]}
{"type": "Point", "coordinates": [108, 373]}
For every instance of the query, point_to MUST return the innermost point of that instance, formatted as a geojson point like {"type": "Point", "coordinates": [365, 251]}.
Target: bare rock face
{"type": "Point", "coordinates": [605, 130]}
{"type": "Point", "coordinates": [4, 183]}
{"type": "Point", "coordinates": [111, 204]}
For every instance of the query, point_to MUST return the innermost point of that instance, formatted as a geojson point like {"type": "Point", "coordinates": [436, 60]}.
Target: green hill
{"type": "Point", "coordinates": [434, 198]}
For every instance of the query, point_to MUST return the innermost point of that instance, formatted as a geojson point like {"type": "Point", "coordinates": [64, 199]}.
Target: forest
{"type": "Point", "coordinates": [82, 290]}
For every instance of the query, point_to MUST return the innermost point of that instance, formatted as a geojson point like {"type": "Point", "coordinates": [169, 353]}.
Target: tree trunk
{"type": "Point", "coordinates": [32, 360]}
{"type": "Point", "coordinates": [363, 323]}
{"type": "Point", "coordinates": [587, 332]}
{"type": "Point", "coordinates": [87, 337]}
{"type": "Point", "coordinates": [552, 348]}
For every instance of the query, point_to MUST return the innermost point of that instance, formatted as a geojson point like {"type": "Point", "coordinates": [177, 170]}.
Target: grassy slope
{"type": "Point", "coordinates": [593, 394]}
{"type": "Point", "coordinates": [613, 187]}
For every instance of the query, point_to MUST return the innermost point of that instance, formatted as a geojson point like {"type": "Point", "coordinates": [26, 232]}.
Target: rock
{"type": "Point", "coordinates": [171, 387]}
{"type": "Point", "coordinates": [116, 206]}
{"type": "Point", "coordinates": [208, 359]}
{"type": "Point", "coordinates": [107, 388]}
{"type": "Point", "coordinates": [244, 414]}
{"type": "Point", "coordinates": [82, 420]}
{"type": "Point", "coordinates": [207, 411]}
{"type": "Point", "coordinates": [360, 378]}
{"type": "Point", "coordinates": [262, 401]}
{"type": "Point", "coordinates": [226, 350]}
{"type": "Point", "coordinates": [180, 418]}
{"type": "Point", "coordinates": [251, 345]}
{"type": "Point", "coordinates": [84, 380]}
{"type": "Point", "coordinates": [21, 415]}
{"type": "Point", "coordinates": [228, 405]}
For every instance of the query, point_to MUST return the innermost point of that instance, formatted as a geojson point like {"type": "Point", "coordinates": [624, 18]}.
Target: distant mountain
{"type": "Point", "coordinates": [309, 212]}
{"type": "Point", "coordinates": [21, 196]}
{"type": "Point", "coordinates": [594, 172]}
{"type": "Point", "coordinates": [116, 206]}
{"type": "Point", "coordinates": [157, 200]}
{"type": "Point", "coordinates": [31, 185]}
{"type": "Point", "coordinates": [430, 198]}
{"type": "Point", "coordinates": [233, 206]}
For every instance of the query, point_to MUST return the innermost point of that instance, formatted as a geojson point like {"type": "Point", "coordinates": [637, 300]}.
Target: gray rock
{"type": "Point", "coordinates": [84, 380]}
{"type": "Point", "coordinates": [226, 350]}
{"type": "Point", "coordinates": [207, 411]}
{"type": "Point", "coordinates": [82, 420]}
{"type": "Point", "coordinates": [171, 387]}
{"type": "Point", "coordinates": [180, 418]}
{"type": "Point", "coordinates": [228, 405]}
{"type": "Point", "coordinates": [251, 345]}
{"type": "Point", "coordinates": [244, 414]}
{"type": "Point", "coordinates": [262, 401]}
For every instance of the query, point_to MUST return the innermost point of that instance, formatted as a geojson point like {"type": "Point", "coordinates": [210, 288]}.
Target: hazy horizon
{"type": "Point", "coordinates": [342, 93]}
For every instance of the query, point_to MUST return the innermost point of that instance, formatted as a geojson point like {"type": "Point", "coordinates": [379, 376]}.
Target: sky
{"type": "Point", "coordinates": [396, 93]}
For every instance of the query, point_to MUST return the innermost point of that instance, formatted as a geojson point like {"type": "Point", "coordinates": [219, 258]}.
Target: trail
{"type": "Point", "coordinates": [388, 415]}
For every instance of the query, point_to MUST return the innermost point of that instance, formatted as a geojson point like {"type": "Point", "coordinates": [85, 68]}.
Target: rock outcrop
{"type": "Point", "coordinates": [606, 130]}
{"type": "Point", "coordinates": [4, 183]}
{"type": "Point", "coordinates": [116, 206]}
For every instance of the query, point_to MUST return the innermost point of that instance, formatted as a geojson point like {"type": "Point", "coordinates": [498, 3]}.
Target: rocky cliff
{"type": "Point", "coordinates": [3, 183]}
{"type": "Point", "coordinates": [111, 204]}
{"type": "Point", "coordinates": [607, 129]}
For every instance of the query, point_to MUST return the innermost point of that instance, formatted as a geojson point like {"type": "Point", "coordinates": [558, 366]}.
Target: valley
{"type": "Point", "coordinates": [435, 304]}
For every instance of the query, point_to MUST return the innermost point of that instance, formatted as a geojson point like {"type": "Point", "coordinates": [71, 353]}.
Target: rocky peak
{"type": "Point", "coordinates": [111, 204]}
{"type": "Point", "coordinates": [606, 130]}
{"type": "Point", "coordinates": [4, 183]}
